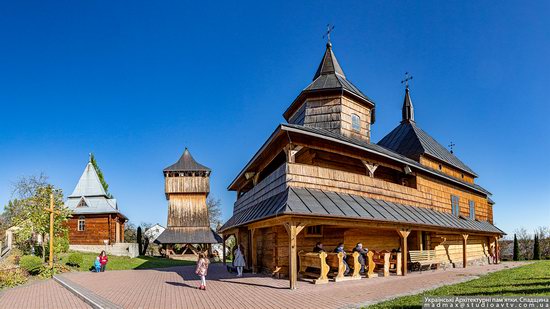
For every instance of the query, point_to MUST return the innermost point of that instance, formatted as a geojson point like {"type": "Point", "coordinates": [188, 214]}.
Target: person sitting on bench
{"type": "Point", "coordinates": [318, 248]}
{"type": "Point", "coordinates": [338, 249]}
{"type": "Point", "coordinates": [362, 255]}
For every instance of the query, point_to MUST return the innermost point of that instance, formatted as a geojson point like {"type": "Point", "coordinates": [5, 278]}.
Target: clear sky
{"type": "Point", "coordinates": [136, 82]}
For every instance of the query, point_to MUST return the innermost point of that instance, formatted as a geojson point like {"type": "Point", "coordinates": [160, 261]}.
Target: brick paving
{"type": "Point", "coordinates": [43, 294]}
{"type": "Point", "coordinates": [175, 288]}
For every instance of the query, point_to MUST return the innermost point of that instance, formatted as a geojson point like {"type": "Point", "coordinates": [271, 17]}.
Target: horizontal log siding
{"type": "Point", "coordinates": [187, 184]}
{"type": "Point", "coordinates": [446, 169]}
{"type": "Point", "coordinates": [96, 229]}
{"type": "Point", "coordinates": [324, 113]}
{"type": "Point", "coordinates": [450, 251]}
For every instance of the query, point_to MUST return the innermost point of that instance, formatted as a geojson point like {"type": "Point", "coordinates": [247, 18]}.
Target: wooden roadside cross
{"type": "Point", "coordinates": [52, 213]}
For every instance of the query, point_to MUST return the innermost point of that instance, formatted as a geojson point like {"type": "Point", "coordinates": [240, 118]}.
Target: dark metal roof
{"type": "Point", "coordinates": [187, 164]}
{"type": "Point", "coordinates": [411, 141]}
{"type": "Point", "coordinates": [303, 201]}
{"type": "Point", "coordinates": [382, 151]}
{"type": "Point", "coordinates": [188, 235]}
{"type": "Point", "coordinates": [330, 75]}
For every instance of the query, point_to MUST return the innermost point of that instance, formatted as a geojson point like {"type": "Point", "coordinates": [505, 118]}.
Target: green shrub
{"type": "Point", "coordinates": [12, 277]}
{"type": "Point", "coordinates": [31, 263]}
{"type": "Point", "coordinates": [75, 259]}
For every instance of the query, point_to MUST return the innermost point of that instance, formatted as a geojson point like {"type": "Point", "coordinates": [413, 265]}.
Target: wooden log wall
{"type": "Point", "coordinates": [451, 250]}
{"type": "Point", "coordinates": [187, 184]}
{"type": "Point", "coordinates": [446, 169]}
{"type": "Point", "coordinates": [97, 228]}
{"type": "Point", "coordinates": [187, 210]}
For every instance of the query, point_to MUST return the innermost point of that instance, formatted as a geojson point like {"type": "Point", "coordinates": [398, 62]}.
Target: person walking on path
{"type": "Point", "coordinates": [239, 261]}
{"type": "Point", "coordinates": [103, 259]}
{"type": "Point", "coordinates": [202, 269]}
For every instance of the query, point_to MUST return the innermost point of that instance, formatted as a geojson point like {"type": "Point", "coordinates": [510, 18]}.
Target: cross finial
{"type": "Point", "coordinates": [330, 28]}
{"type": "Point", "coordinates": [451, 145]}
{"type": "Point", "coordinates": [408, 77]}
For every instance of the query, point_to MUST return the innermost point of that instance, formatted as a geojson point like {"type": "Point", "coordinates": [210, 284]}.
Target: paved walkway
{"type": "Point", "coordinates": [175, 288]}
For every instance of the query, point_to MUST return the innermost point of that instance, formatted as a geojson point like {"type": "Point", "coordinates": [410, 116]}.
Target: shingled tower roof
{"type": "Point", "coordinates": [187, 164]}
{"type": "Point", "coordinates": [411, 141]}
{"type": "Point", "coordinates": [329, 77]}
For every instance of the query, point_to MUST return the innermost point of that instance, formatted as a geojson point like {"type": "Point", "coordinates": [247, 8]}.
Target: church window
{"type": "Point", "coordinates": [454, 205]}
{"type": "Point", "coordinates": [355, 123]}
{"type": "Point", "coordinates": [440, 166]}
{"type": "Point", "coordinates": [472, 210]}
{"type": "Point", "coordinates": [81, 224]}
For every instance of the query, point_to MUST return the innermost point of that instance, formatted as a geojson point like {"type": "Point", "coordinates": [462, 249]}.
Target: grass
{"type": "Point", "coordinates": [125, 263]}
{"type": "Point", "coordinates": [528, 280]}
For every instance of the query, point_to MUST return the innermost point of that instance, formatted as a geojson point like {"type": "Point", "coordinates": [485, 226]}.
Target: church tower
{"type": "Point", "coordinates": [331, 102]}
{"type": "Point", "coordinates": [186, 186]}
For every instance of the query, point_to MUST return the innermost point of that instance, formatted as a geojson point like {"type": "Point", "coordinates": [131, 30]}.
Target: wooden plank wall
{"type": "Point", "coordinates": [187, 184]}
{"type": "Point", "coordinates": [299, 116]}
{"type": "Point", "coordinates": [431, 193]}
{"type": "Point", "coordinates": [273, 184]}
{"type": "Point", "coordinates": [324, 113]}
{"type": "Point", "coordinates": [351, 107]}
{"type": "Point", "coordinates": [187, 210]}
{"type": "Point", "coordinates": [446, 169]}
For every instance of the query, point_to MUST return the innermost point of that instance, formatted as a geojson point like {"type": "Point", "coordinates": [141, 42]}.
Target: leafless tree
{"type": "Point", "coordinates": [214, 211]}
{"type": "Point", "coordinates": [525, 241]}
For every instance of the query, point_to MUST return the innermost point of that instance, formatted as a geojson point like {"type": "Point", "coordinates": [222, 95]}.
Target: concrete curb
{"type": "Point", "coordinates": [95, 301]}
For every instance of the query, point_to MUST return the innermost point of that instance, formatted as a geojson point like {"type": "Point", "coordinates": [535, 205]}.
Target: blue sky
{"type": "Point", "coordinates": [136, 82]}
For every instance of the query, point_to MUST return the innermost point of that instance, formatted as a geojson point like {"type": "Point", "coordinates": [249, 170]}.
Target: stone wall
{"type": "Point", "coordinates": [119, 249]}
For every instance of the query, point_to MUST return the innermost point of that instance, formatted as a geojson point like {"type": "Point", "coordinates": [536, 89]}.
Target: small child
{"type": "Point", "coordinates": [202, 269]}
{"type": "Point", "coordinates": [97, 264]}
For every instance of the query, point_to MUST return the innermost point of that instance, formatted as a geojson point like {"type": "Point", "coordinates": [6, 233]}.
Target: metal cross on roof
{"type": "Point", "coordinates": [330, 28]}
{"type": "Point", "coordinates": [451, 145]}
{"type": "Point", "coordinates": [408, 77]}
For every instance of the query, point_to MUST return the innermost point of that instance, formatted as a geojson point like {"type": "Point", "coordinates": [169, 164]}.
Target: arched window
{"type": "Point", "coordinates": [355, 123]}
{"type": "Point", "coordinates": [81, 223]}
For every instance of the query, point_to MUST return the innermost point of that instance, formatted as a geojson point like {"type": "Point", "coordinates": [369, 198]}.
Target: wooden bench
{"type": "Point", "coordinates": [314, 260]}
{"type": "Point", "coordinates": [422, 258]}
{"type": "Point", "coordinates": [336, 261]}
{"type": "Point", "coordinates": [353, 262]}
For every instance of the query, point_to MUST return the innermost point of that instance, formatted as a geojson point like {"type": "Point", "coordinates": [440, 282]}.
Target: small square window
{"type": "Point", "coordinates": [314, 231]}
{"type": "Point", "coordinates": [355, 123]}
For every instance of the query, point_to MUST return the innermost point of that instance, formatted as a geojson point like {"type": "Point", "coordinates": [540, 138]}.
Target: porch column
{"type": "Point", "coordinates": [293, 229]}
{"type": "Point", "coordinates": [224, 238]}
{"type": "Point", "coordinates": [117, 230]}
{"type": "Point", "coordinates": [403, 234]}
{"type": "Point", "coordinates": [497, 250]}
{"type": "Point", "coordinates": [254, 254]}
{"type": "Point", "coordinates": [464, 253]}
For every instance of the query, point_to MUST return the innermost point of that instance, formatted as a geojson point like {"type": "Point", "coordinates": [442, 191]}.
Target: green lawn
{"type": "Point", "coordinates": [528, 280]}
{"type": "Point", "coordinates": [124, 263]}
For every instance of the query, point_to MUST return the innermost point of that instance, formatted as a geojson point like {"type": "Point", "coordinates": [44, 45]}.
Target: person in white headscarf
{"type": "Point", "coordinates": [238, 261]}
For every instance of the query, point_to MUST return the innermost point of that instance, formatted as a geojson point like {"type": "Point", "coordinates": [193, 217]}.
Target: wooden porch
{"type": "Point", "coordinates": [273, 246]}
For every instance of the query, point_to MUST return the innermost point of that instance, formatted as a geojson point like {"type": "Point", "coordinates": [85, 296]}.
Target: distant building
{"type": "Point", "coordinates": [153, 232]}
{"type": "Point", "coordinates": [96, 219]}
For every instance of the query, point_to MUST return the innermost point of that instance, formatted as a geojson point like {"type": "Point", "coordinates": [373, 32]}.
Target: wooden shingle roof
{"type": "Point", "coordinates": [187, 163]}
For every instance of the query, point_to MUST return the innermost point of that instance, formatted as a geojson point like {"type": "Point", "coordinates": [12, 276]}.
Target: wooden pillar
{"type": "Point", "coordinates": [224, 238]}
{"type": "Point", "coordinates": [464, 253]}
{"type": "Point", "coordinates": [253, 253]}
{"type": "Point", "coordinates": [497, 250]}
{"type": "Point", "coordinates": [403, 234]}
{"type": "Point", "coordinates": [117, 230]}
{"type": "Point", "coordinates": [293, 229]}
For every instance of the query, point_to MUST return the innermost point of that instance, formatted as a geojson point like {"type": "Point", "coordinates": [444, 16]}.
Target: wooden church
{"type": "Point", "coordinates": [187, 185]}
{"type": "Point", "coordinates": [96, 218]}
{"type": "Point", "coordinates": [320, 178]}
